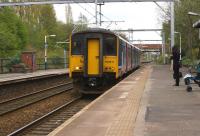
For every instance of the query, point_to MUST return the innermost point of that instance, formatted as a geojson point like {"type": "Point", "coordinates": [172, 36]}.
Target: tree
{"type": "Point", "coordinates": [40, 20]}
{"type": "Point", "coordinates": [183, 24]}
{"type": "Point", "coordinates": [47, 19]}
{"type": "Point", "coordinates": [24, 27]}
{"type": "Point", "coordinates": [68, 14]}
{"type": "Point", "coordinates": [13, 33]}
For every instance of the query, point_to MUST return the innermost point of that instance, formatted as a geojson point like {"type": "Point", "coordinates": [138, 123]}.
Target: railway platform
{"type": "Point", "coordinates": [113, 113]}
{"type": "Point", "coordinates": [144, 104]}
{"type": "Point", "coordinates": [18, 77]}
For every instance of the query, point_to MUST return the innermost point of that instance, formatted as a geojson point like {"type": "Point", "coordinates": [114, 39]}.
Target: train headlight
{"type": "Point", "coordinates": [77, 68]}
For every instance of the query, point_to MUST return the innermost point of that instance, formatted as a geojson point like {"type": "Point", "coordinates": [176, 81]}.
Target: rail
{"type": "Point", "coordinates": [57, 119]}
{"type": "Point", "coordinates": [25, 100]}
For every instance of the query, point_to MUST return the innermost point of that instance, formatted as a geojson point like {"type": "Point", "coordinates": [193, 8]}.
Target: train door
{"type": "Point", "coordinates": [93, 56]}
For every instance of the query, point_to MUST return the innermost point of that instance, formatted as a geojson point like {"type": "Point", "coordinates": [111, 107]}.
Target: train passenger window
{"type": "Point", "coordinates": [120, 53]}
{"type": "Point", "coordinates": [77, 44]}
{"type": "Point", "coordinates": [76, 48]}
{"type": "Point", "coordinates": [110, 47]}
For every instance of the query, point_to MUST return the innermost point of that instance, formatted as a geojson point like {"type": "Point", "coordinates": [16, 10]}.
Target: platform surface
{"type": "Point", "coordinates": [168, 110]}
{"type": "Point", "coordinates": [144, 104]}
{"type": "Point", "coordinates": [112, 114]}
{"type": "Point", "coordinates": [20, 76]}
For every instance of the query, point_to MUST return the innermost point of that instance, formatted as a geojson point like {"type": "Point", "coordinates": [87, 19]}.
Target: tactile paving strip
{"type": "Point", "coordinates": [124, 124]}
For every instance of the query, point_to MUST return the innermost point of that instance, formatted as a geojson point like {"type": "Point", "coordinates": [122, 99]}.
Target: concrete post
{"type": "Point", "coordinates": [172, 24]}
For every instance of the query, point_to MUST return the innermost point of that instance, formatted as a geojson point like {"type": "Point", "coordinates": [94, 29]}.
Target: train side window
{"type": "Point", "coordinates": [76, 48]}
{"type": "Point", "coordinates": [120, 53]}
{"type": "Point", "coordinates": [110, 47]}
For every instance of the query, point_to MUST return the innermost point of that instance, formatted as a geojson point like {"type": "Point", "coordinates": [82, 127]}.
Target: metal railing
{"type": "Point", "coordinates": [53, 63]}
{"type": "Point", "coordinates": [3, 65]}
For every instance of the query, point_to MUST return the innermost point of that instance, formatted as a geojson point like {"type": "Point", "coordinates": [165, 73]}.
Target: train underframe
{"type": "Point", "coordinates": [93, 84]}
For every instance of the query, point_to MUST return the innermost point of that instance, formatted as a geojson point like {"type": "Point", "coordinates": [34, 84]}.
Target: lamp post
{"type": "Point", "coordinates": [193, 14]}
{"type": "Point", "coordinates": [45, 49]}
{"type": "Point", "coordinates": [65, 52]}
{"type": "Point", "coordinates": [179, 42]}
{"type": "Point", "coordinates": [163, 47]}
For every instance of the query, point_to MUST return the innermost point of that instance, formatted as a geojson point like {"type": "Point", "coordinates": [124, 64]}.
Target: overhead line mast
{"type": "Point", "coordinates": [25, 3]}
{"type": "Point", "coordinates": [100, 4]}
{"type": "Point", "coordinates": [96, 12]}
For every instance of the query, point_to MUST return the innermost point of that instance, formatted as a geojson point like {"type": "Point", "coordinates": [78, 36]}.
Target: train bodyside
{"type": "Point", "coordinates": [128, 57]}
{"type": "Point", "coordinates": [98, 57]}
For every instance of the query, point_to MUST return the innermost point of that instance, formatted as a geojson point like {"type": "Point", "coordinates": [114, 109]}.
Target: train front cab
{"type": "Point", "coordinates": [76, 57]}
{"type": "Point", "coordinates": [93, 58]}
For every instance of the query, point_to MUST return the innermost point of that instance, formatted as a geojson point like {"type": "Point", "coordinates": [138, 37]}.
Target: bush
{"type": "Point", "coordinates": [160, 60]}
{"type": "Point", "coordinates": [13, 61]}
{"type": "Point", "coordinates": [187, 62]}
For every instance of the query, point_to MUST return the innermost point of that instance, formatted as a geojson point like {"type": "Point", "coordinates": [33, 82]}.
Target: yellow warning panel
{"type": "Point", "coordinates": [93, 56]}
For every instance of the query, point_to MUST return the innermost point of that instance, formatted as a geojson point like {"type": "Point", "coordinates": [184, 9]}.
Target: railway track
{"type": "Point", "coordinates": [25, 100]}
{"type": "Point", "coordinates": [46, 124]}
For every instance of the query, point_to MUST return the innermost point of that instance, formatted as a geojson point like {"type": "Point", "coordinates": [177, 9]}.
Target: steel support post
{"type": "Point", "coordinates": [96, 21]}
{"type": "Point", "coordinates": [65, 57]}
{"type": "Point", "coordinates": [172, 24]}
{"type": "Point", "coordinates": [45, 52]}
{"type": "Point", "coordinates": [163, 47]}
{"type": "Point", "coordinates": [180, 47]}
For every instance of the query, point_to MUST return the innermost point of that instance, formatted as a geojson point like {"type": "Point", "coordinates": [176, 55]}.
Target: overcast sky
{"type": "Point", "coordinates": [136, 16]}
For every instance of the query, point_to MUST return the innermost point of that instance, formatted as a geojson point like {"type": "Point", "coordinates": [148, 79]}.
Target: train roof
{"type": "Point", "coordinates": [95, 30]}
{"type": "Point", "coordinates": [129, 43]}
{"type": "Point", "coordinates": [107, 31]}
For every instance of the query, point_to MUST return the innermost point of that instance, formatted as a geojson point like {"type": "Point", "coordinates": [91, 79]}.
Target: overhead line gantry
{"type": "Point", "coordinates": [37, 2]}
{"type": "Point", "coordinates": [138, 30]}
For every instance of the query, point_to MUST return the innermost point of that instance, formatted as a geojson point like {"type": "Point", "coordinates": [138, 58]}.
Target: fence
{"type": "Point", "coordinates": [52, 63]}
{"type": "Point", "coordinates": [4, 65]}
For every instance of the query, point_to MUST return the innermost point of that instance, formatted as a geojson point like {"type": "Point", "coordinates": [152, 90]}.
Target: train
{"type": "Point", "coordinates": [99, 56]}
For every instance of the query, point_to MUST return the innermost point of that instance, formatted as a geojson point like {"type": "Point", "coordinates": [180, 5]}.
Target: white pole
{"type": "Point", "coordinates": [45, 52]}
{"type": "Point", "coordinates": [45, 49]}
{"type": "Point", "coordinates": [96, 12]}
{"type": "Point", "coordinates": [172, 24]}
{"type": "Point", "coordinates": [163, 47]}
{"type": "Point", "coordinates": [180, 46]}
{"type": "Point", "coordinates": [65, 59]}
{"type": "Point", "coordinates": [199, 33]}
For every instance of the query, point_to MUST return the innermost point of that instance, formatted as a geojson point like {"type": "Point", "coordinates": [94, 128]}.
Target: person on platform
{"type": "Point", "coordinates": [176, 64]}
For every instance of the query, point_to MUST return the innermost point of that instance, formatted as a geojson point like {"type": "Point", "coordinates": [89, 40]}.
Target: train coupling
{"type": "Point", "coordinates": [92, 82]}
